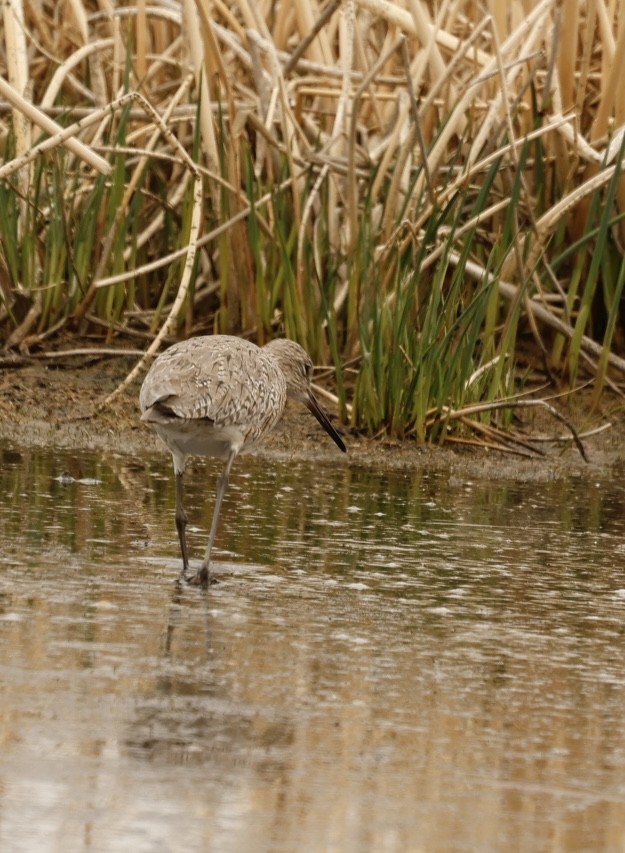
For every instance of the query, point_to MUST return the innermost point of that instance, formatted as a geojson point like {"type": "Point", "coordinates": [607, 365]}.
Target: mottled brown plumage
{"type": "Point", "coordinates": [217, 396]}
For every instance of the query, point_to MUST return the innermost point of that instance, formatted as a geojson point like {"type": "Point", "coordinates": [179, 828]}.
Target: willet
{"type": "Point", "coordinates": [216, 396]}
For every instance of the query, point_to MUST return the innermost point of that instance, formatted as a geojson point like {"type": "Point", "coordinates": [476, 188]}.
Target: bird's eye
{"type": "Point", "coordinates": [308, 368]}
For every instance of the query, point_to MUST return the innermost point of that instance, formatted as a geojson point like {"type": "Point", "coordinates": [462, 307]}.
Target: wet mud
{"type": "Point", "coordinates": [57, 404]}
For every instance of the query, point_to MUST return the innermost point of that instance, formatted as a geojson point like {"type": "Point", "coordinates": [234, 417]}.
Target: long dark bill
{"type": "Point", "coordinates": [324, 420]}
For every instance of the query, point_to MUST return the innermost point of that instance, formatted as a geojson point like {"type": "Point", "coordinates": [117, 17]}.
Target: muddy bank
{"type": "Point", "coordinates": [53, 404]}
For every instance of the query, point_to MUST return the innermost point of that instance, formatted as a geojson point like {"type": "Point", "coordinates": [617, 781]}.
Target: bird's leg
{"type": "Point", "coordinates": [203, 577]}
{"type": "Point", "coordinates": [181, 523]}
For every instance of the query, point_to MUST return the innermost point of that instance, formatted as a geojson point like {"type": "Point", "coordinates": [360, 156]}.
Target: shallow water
{"type": "Point", "coordinates": [389, 662]}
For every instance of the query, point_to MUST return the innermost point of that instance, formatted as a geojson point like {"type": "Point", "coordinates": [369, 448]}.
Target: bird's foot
{"type": "Point", "coordinates": [202, 578]}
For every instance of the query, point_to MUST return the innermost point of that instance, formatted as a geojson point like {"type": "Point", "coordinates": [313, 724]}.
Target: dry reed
{"type": "Point", "coordinates": [328, 137]}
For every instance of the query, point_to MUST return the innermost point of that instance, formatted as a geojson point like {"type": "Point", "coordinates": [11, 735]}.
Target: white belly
{"type": "Point", "coordinates": [200, 438]}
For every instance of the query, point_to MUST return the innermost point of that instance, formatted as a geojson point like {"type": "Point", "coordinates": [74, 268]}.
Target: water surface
{"type": "Point", "coordinates": [389, 662]}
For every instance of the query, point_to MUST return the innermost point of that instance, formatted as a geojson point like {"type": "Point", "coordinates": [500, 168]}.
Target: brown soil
{"type": "Point", "coordinates": [53, 404]}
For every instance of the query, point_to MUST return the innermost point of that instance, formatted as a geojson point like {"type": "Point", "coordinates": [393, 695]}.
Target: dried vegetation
{"type": "Point", "coordinates": [427, 195]}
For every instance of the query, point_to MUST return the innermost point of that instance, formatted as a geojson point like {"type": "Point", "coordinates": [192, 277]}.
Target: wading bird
{"type": "Point", "coordinates": [216, 396]}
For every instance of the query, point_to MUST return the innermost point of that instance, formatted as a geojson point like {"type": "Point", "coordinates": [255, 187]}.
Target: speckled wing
{"type": "Point", "coordinates": [225, 380]}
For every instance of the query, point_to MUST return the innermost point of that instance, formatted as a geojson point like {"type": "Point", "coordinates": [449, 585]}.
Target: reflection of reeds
{"type": "Point", "coordinates": [411, 195]}
{"type": "Point", "coordinates": [129, 512]}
